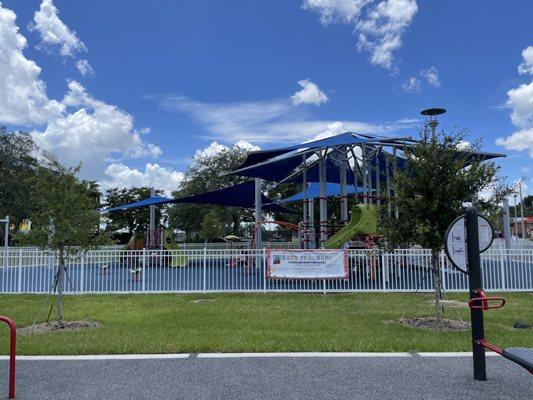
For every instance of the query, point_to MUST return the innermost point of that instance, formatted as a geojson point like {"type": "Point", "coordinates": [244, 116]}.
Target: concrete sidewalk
{"type": "Point", "coordinates": [274, 377]}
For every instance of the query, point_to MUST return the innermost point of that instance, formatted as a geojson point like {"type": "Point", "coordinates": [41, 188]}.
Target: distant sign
{"type": "Point", "coordinates": [455, 241]}
{"type": "Point", "coordinates": [307, 264]}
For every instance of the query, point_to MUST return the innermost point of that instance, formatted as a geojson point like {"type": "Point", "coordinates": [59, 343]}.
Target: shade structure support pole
{"type": "Point", "coordinates": [378, 180]}
{"type": "Point", "coordinates": [151, 234]}
{"type": "Point", "coordinates": [506, 224]}
{"type": "Point", "coordinates": [354, 169]}
{"type": "Point", "coordinates": [387, 185]}
{"type": "Point", "coordinates": [258, 207]}
{"type": "Point", "coordinates": [365, 175]}
{"type": "Point", "coordinates": [395, 179]}
{"type": "Point", "coordinates": [370, 180]}
{"type": "Point", "coordinates": [323, 199]}
{"type": "Point", "coordinates": [305, 221]}
{"type": "Point", "coordinates": [311, 232]}
{"type": "Point", "coordinates": [344, 192]}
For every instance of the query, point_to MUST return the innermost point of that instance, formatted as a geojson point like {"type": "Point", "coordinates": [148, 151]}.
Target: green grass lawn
{"type": "Point", "coordinates": [172, 323]}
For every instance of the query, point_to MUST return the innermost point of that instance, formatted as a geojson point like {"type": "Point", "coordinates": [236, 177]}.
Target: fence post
{"type": "Point", "coordinates": [384, 273]}
{"type": "Point", "coordinates": [19, 275]}
{"type": "Point", "coordinates": [205, 269]}
{"type": "Point", "coordinates": [82, 274]}
{"type": "Point", "coordinates": [262, 268]}
{"type": "Point", "coordinates": [443, 270]}
{"type": "Point", "coordinates": [502, 269]}
{"type": "Point", "coordinates": [142, 271]}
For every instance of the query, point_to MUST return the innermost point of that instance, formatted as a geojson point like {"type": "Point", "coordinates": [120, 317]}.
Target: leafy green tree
{"type": "Point", "coordinates": [134, 220]}
{"type": "Point", "coordinates": [17, 166]}
{"type": "Point", "coordinates": [431, 192]}
{"type": "Point", "coordinates": [210, 228]}
{"type": "Point", "coordinates": [208, 172]}
{"type": "Point", "coordinates": [65, 220]}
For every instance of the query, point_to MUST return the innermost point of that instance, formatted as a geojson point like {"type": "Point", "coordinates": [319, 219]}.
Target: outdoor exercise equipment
{"type": "Point", "coordinates": [363, 222]}
{"type": "Point", "coordinates": [12, 354]}
{"type": "Point", "coordinates": [464, 235]}
{"type": "Point", "coordinates": [519, 355]}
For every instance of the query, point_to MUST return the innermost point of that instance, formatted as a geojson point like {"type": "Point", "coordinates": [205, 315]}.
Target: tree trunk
{"type": "Point", "coordinates": [437, 284]}
{"type": "Point", "coordinates": [60, 275]}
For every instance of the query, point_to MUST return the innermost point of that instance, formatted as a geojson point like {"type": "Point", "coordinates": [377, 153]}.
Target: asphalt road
{"type": "Point", "coordinates": [368, 378]}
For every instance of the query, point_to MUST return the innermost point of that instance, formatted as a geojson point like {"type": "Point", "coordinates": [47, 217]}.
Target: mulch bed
{"type": "Point", "coordinates": [50, 327]}
{"type": "Point", "coordinates": [432, 323]}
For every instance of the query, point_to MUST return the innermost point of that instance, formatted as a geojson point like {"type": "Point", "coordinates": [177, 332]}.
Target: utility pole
{"type": "Point", "coordinates": [515, 217]}
{"type": "Point", "coordinates": [506, 224]}
{"type": "Point", "coordinates": [522, 222]}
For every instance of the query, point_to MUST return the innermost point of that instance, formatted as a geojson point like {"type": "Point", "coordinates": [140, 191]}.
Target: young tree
{"type": "Point", "coordinates": [430, 193]}
{"type": "Point", "coordinates": [65, 219]}
{"type": "Point", "coordinates": [210, 228]}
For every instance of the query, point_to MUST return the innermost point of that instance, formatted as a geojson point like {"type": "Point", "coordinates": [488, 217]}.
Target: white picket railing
{"type": "Point", "coordinates": [243, 270]}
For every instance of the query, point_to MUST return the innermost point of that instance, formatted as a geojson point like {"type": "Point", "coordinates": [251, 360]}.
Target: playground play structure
{"type": "Point", "coordinates": [360, 169]}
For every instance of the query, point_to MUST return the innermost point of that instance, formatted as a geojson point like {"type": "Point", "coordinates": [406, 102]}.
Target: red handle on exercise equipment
{"type": "Point", "coordinates": [485, 301]}
{"type": "Point", "coordinates": [12, 354]}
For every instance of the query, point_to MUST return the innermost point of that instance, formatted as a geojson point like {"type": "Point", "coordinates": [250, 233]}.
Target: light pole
{"type": "Point", "coordinates": [5, 221]}
{"type": "Point", "coordinates": [432, 114]}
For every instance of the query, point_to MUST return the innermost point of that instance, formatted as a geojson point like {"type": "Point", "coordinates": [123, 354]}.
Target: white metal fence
{"type": "Point", "coordinates": [243, 270]}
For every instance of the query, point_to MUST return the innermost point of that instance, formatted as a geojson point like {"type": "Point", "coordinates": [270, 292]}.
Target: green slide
{"type": "Point", "coordinates": [362, 222]}
{"type": "Point", "coordinates": [177, 260]}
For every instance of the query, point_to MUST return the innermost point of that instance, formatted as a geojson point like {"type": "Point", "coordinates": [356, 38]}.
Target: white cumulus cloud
{"type": "Point", "coordinates": [215, 148]}
{"type": "Point", "coordinates": [23, 98]}
{"type": "Point", "coordinates": [309, 94]}
{"type": "Point", "coordinates": [54, 32]}
{"type": "Point", "coordinates": [92, 133]}
{"type": "Point", "coordinates": [379, 25]}
{"type": "Point", "coordinates": [154, 175]}
{"type": "Point", "coordinates": [526, 67]}
{"type": "Point", "coordinates": [521, 140]}
{"type": "Point", "coordinates": [84, 67]}
{"type": "Point", "coordinates": [431, 75]}
{"type": "Point", "coordinates": [412, 85]}
{"type": "Point", "coordinates": [520, 101]}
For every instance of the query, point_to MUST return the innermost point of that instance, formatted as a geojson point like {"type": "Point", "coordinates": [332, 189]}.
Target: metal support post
{"type": "Point", "coordinates": [475, 282]}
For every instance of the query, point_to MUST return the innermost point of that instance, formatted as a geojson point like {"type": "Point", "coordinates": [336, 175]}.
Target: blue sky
{"type": "Point", "coordinates": [171, 77]}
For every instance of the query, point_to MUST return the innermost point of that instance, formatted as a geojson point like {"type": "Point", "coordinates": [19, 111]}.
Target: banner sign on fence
{"type": "Point", "coordinates": [307, 264]}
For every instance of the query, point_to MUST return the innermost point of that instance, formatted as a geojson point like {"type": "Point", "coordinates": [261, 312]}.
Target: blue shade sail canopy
{"type": "Point", "coordinates": [278, 164]}
{"type": "Point", "coordinates": [240, 195]}
{"type": "Point", "coordinates": [313, 191]}
{"type": "Point", "coordinates": [284, 160]}
{"type": "Point", "coordinates": [150, 201]}
{"type": "Point", "coordinates": [313, 174]}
